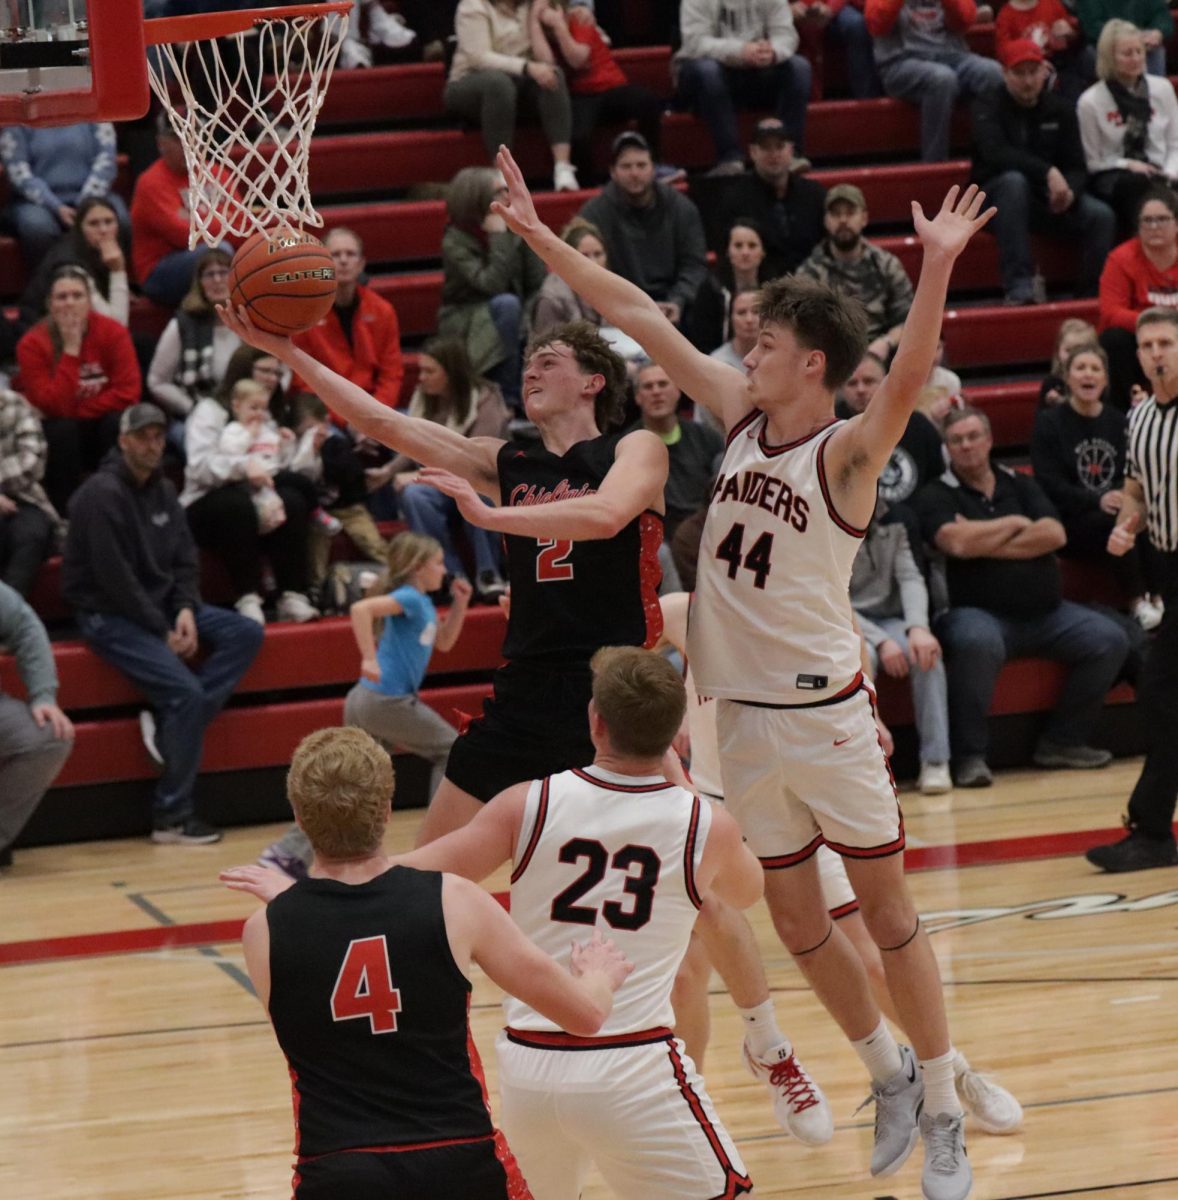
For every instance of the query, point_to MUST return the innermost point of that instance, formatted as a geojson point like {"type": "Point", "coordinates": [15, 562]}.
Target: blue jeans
{"type": "Point", "coordinates": [715, 92]}
{"type": "Point", "coordinates": [978, 642]}
{"type": "Point", "coordinates": [428, 511]}
{"type": "Point", "coordinates": [185, 699]}
{"type": "Point", "coordinates": [936, 87]}
{"type": "Point", "coordinates": [171, 277]}
{"type": "Point", "coordinates": [929, 695]}
{"type": "Point", "coordinates": [1090, 223]}
{"type": "Point", "coordinates": [848, 27]}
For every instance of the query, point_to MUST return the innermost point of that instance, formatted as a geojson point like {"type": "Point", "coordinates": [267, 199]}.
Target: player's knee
{"type": "Point", "coordinates": [695, 971]}
{"type": "Point", "coordinates": [802, 933]}
{"type": "Point", "coordinates": [891, 922]}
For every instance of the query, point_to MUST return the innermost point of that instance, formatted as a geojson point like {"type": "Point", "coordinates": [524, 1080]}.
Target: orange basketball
{"type": "Point", "coordinates": [285, 280]}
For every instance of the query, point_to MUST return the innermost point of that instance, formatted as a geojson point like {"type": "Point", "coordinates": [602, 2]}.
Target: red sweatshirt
{"type": "Point", "coordinates": [373, 360]}
{"type": "Point", "coordinates": [601, 72]}
{"type": "Point", "coordinates": [1033, 23]}
{"type": "Point", "coordinates": [882, 15]}
{"type": "Point", "coordinates": [1130, 283]}
{"type": "Point", "coordinates": [159, 217]}
{"type": "Point", "coordinates": [103, 377]}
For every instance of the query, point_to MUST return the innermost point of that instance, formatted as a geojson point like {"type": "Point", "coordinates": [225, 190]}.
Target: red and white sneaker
{"type": "Point", "coordinates": [798, 1103]}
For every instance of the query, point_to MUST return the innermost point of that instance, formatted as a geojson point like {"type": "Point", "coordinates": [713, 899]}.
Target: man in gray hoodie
{"type": "Point", "coordinates": [35, 735]}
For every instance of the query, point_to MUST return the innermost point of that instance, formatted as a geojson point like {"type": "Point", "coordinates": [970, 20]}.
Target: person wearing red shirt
{"type": "Point", "coordinates": [598, 87]}
{"type": "Point", "coordinates": [1139, 274]}
{"type": "Point", "coordinates": [160, 257]}
{"type": "Point", "coordinates": [1056, 32]}
{"type": "Point", "coordinates": [79, 370]}
{"type": "Point", "coordinates": [360, 337]}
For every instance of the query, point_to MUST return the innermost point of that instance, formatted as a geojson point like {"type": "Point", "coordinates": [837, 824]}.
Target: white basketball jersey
{"type": "Point", "coordinates": [771, 621]}
{"type": "Point", "coordinates": [616, 853]}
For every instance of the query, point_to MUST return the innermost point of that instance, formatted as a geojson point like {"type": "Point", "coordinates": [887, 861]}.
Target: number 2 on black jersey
{"type": "Point", "coordinates": [364, 986]}
{"type": "Point", "coordinates": [640, 886]}
{"type": "Point", "coordinates": [552, 561]}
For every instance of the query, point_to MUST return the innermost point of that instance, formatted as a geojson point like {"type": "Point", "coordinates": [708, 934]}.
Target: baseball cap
{"type": "Point", "coordinates": [629, 140]}
{"type": "Point", "coordinates": [845, 193]}
{"type": "Point", "coordinates": [770, 129]}
{"type": "Point", "coordinates": [140, 416]}
{"type": "Point", "coordinates": [1021, 50]}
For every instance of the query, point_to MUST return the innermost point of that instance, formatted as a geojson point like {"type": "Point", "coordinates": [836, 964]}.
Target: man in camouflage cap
{"type": "Point", "coordinates": [847, 261]}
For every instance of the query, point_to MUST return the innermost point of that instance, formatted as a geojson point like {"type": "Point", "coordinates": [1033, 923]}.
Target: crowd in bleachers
{"type": "Point", "coordinates": [1074, 132]}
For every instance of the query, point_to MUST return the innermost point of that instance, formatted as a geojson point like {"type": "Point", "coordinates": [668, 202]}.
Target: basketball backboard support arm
{"type": "Point", "coordinates": [64, 68]}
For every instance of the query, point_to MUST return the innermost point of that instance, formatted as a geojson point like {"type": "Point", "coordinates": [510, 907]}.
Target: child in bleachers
{"type": "Point", "coordinates": [254, 434]}
{"type": "Point", "coordinates": [1072, 333]}
{"type": "Point", "coordinates": [599, 90]}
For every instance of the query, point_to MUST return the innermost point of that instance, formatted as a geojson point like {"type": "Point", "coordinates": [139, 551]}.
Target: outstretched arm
{"type": "Point", "coordinates": [632, 485]}
{"type": "Point", "coordinates": [424, 441]}
{"type": "Point", "coordinates": [720, 388]}
{"type": "Point", "coordinates": [859, 451]}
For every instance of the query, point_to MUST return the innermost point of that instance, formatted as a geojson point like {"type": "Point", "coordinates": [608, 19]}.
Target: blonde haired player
{"type": "Point", "coordinates": [612, 846]}
{"type": "Point", "coordinates": [735, 953]}
{"type": "Point", "coordinates": [772, 639]}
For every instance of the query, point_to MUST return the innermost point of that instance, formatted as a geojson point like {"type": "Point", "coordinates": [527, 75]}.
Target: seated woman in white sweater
{"type": "Point", "coordinates": [1128, 124]}
{"type": "Point", "coordinates": [195, 347]}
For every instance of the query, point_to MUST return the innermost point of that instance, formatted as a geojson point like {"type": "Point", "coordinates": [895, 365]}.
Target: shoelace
{"type": "Point", "coordinates": [941, 1147]}
{"type": "Point", "coordinates": [795, 1083]}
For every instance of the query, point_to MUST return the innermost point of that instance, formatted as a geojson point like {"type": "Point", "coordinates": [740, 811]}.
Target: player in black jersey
{"type": "Point", "coordinates": [363, 969]}
{"type": "Point", "coordinates": [582, 519]}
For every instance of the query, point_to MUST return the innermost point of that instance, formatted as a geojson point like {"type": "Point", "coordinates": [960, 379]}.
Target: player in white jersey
{"type": "Point", "coordinates": [772, 637]}
{"type": "Point", "coordinates": [991, 1107]}
{"type": "Point", "coordinates": [614, 846]}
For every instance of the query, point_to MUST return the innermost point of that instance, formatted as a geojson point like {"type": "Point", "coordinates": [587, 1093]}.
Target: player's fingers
{"type": "Point", "coordinates": [984, 218]}
{"type": "Point", "coordinates": [972, 205]}
{"type": "Point", "coordinates": [950, 201]}
{"type": "Point", "coordinates": [966, 199]}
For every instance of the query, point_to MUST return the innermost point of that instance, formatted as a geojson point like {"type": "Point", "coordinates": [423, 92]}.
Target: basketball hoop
{"type": "Point", "coordinates": [242, 91]}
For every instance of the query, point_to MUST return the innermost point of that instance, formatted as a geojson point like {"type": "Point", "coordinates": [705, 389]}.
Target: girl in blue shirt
{"type": "Point", "coordinates": [384, 701]}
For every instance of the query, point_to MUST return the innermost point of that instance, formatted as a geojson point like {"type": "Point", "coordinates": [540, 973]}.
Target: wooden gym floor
{"type": "Point", "coordinates": [136, 1065]}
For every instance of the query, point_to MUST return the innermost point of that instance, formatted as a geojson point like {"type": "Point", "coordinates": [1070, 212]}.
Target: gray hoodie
{"type": "Point", "coordinates": [23, 635]}
{"type": "Point", "coordinates": [886, 582]}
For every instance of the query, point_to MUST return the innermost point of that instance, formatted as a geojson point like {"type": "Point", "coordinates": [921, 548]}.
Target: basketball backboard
{"type": "Point", "coordinates": [64, 61]}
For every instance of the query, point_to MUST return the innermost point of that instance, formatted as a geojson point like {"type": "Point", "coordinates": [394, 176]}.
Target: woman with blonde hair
{"type": "Point", "coordinates": [1128, 124]}
{"type": "Point", "coordinates": [385, 701]}
{"type": "Point", "coordinates": [195, 348]}
{"type": "Point", "coordinates": [557, 303]}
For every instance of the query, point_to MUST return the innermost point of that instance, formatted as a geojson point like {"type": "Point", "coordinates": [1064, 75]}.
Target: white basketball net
{"type": "Point", "coordinates": [246, 123]}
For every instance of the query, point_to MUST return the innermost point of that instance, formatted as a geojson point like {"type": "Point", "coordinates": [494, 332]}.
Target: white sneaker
{"type": "Point", "coordinates": [934, 779]}
{"type": "Point", "coordinates": [294, 606]}
{"type": "Point", "coordinates": [354, 53]}
{"type": "Point", "coordinates": [564, 178]}
{"type": "Point", "coordinates": [1147, 614]}
{"type": "Point", "coordinates": [798, 1102]}
{"type": "Point", "coordinates": [250, 605]}
{"type": "Point", "coordinates": [947, 1174]}
{"type": "Point", "coordinates": [387, 29]}
{"type": "Point", "coordinates": [990, 1106]}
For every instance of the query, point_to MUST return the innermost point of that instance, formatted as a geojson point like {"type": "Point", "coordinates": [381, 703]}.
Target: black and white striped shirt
{"type": "Point", "coordinates": [1153, 461]}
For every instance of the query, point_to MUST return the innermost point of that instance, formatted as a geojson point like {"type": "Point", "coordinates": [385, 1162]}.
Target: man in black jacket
{"type": "Point", "coordinates": [789, 209]}
{"type": "Point", "coordinates": [130, 573]}
{"type": "Point", "coordinates": [1029, 160]}
{"type": "Point", "coordinates": [653, 234]}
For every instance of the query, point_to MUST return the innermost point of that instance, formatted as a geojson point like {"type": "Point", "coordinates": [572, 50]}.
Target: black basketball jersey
{"type": "Point", "coordinates": [568, 599]}
{"type": "Point", "coordinates": [370, 1010]}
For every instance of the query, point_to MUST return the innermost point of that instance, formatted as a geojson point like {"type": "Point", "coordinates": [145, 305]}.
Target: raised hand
{"type": "Point", "coordinates": [960, 218]}
{"type": "Point", "coordinates": [519, 212]}
{"type": "Point", "coordinates": [238, 319]}
{"type": "Point", "coordinates": [1124, 536]}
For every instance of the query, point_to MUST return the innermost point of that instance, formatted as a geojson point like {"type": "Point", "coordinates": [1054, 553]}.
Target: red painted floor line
{"type": "Point", "coordinates": [919, 858]}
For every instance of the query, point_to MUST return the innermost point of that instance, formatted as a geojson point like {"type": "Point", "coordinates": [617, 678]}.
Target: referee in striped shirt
{"type": "Point", "coordinates": [1151, 502]}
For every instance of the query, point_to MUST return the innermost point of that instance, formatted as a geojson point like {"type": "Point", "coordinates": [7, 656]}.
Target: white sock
{"type": "Point", "coordinates": [879, 1052]}
{"type": "Point", "coordinates": [960, 1064]}
{"type": "Point", "coordinates": [761, 1030]}
{"type": "Point", "coordinates": [940, 1094]}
